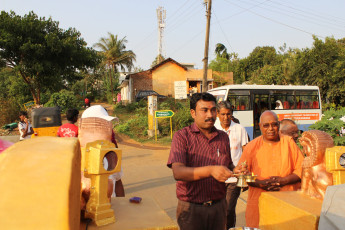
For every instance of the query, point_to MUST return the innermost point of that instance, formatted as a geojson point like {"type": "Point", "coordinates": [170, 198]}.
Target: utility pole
{"type": "Point", "coordinates": [208, 4]}
{"type": "Point", "coordinates": [161, 15]}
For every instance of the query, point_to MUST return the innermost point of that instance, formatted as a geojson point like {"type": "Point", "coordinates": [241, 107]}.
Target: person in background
{"type": "Point", "coordinates": [87, 102]}
{"type": "Point", "coordinates": [24, 126]}
{"type": "Point", "coordinates": [238, 138]}
{"type": "Point", "coordinates": [118, 97]}
{"type": "Point", "coordinates": [277, 162]}
{"type": "Point", "coordinates": [69, 129]}
{"type": "Point", "coordinates": [97, 133]}
{"type": "Point", "coordinates": [289, 128]}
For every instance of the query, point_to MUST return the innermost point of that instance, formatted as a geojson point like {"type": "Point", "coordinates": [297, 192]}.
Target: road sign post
{"type": "Point", "coordinates": [164, 114]}
{"type": "Point", "coordinates": [151, 108]}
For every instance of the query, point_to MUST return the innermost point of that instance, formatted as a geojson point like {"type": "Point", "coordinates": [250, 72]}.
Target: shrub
{"type": "Point", "coordinates": [135, 127]}
{"type": "Point", "coordinates": [182, 119]}
{"type": "Point", "coordinates": [64, 99]}
{"type": "Point", "coordinates": [331, 124]}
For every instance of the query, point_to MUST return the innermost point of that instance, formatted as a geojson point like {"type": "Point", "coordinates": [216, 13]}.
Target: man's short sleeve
{"type": "Point", "coordinates": [178, 151]}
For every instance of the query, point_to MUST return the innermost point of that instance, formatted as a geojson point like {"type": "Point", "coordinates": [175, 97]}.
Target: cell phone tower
{"type": "Point", "coordinates": [161, 15]}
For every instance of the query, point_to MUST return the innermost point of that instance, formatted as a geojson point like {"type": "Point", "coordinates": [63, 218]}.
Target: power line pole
{"type": "Point", "coordinates": [208, 4]}
{"type": "Point", "coordinates": [161, 15]}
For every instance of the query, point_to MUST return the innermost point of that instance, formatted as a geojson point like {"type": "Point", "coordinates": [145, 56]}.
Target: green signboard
{"type": "Point", "coordinates": [29, 104]}
{"type": "Point", "coordinates": [164, 113]}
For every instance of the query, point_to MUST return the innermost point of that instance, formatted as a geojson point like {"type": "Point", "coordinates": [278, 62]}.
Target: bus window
{"type": "Point", "coordinates": [219, 95]}
{"type": "Point", "coordinates": [307, 100]}
{"type": "Point", "coordinates": [282, 99]}
{"type": "Point", "coordinates": [239, 99]}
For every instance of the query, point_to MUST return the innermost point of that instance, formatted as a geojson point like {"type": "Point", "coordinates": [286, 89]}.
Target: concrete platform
{"type": "Point", "coordinates": [145, 215]}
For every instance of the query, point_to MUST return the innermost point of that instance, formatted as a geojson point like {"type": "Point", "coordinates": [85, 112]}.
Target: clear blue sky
{"type": "Point", "coordinates": [241, 25]}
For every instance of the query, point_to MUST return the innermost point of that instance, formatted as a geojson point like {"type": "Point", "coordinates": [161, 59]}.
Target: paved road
{"type": "Point", "coordinates": [146, 174]}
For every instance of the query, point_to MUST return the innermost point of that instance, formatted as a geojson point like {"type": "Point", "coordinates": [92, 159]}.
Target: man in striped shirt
{"type": "Point", "coordinates": [201, 163]}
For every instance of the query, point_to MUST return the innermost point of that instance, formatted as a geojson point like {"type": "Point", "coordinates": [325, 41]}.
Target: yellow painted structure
{"type": "Point", "coordinates": [146, 215]}
{"type": "Point", "coordinates": [40, 184]}
{"type": "Point", "coordinates": [288, 210]}
{"type": "Point", "coordinates": [46, 131]}
{"type": "Point", "coordinates": [163, 78]}
{"type": "Point", "coordinates": [332, 158]}
{"type": "Point", "coordinates": [98, 207]}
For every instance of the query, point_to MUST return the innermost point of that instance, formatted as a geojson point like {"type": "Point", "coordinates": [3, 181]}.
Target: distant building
{"type": "Point", "coordinates": [162, 76]}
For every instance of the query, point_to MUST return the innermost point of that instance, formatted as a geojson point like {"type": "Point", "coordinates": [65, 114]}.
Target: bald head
{"type": "Point", "coordinates": [285, 123]}
{"type": "Point", "coordinates": [268, 113]}
{"type": "Point", "coordinates": [289, 128]}
{"type": "Point", "coordinates": [269, 126]}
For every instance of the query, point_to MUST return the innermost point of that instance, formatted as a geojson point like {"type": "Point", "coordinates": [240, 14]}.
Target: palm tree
{"type": "Point", "coordinates": [116, 55]}
{"type": "Point", "coordinates": [221, 51]}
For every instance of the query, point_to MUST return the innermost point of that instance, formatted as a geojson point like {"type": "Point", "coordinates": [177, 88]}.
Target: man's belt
{"type": "Point", "coordinates": [208, 203]}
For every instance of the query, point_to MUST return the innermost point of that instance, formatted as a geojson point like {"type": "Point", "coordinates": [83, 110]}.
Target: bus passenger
{"type": "Point", "coordinates": [277, 162]}
{"type": "Point", "coordinates": [279, 105]}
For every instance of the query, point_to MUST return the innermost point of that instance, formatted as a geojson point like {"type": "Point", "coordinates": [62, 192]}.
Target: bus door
{"type": "Point", "coordinates": [260, 99]}
{"type": "Point", "coordinates": [242, 109]}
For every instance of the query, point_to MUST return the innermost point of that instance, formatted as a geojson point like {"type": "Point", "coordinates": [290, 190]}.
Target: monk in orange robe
{"type": "Point", "coordinates": [276, 160]}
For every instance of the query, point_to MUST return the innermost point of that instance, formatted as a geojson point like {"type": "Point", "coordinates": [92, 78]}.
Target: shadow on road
{"type": "Point", "coordinates": [136, 156]}
{"type": "Point", "coordinates": [148, 184]}
{"type": "Point", "coordinates": [121, 140]}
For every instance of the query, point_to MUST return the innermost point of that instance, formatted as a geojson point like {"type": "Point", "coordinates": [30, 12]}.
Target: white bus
{"type": "Point", "coordinates": [299, 103]}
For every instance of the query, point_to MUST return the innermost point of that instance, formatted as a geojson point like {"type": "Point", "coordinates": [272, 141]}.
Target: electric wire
{"type": "Point", "coordinates": [312, 12]}
{"type": "Point", "coordinates": [299, 16]}
{"type": "Point", "coordinates": [273, 20]}
{"type": "Point", "coordinates": [221, 29]}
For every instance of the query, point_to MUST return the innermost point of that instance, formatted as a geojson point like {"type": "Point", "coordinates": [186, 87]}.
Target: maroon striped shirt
{"type": "Point", "coordinates": [190, 147]}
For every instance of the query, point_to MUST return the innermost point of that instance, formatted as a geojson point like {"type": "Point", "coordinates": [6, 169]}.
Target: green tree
{"type": "Point", "coordinates": [42, 54]}
{"type": "Point", "coordinates": [158, 60]}
{"type": "Point", "coordinates": [323, 65]}
{"type": "Point", "coordinates": [115, 55]}
{"type": "Point", "coordinates": [221, 51]}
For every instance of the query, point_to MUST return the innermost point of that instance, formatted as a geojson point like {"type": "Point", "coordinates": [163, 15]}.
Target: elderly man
{"type": "Point", "coordinates": [201, 163]}
{"type": "Point", "coordinates": [238, 138]}
{"type": "Point", "coordinates": [276, 160]}
{"type": "Point", "coordinates": [289, 128]}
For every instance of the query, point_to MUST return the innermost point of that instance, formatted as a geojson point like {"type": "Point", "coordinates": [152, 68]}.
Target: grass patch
{"type": "Point", "coordinates": [134, 121]}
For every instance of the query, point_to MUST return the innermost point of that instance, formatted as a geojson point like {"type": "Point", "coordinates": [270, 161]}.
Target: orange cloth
{"type": "Point", "coordinates": [266, 159]}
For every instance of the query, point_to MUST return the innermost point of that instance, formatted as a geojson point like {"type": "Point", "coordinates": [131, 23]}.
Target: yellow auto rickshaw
{"type": "Point", "coordinates": [46, 121]}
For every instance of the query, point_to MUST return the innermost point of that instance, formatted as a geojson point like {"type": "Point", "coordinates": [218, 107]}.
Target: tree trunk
{"type": "Point", "coordinates": [35, 93]}
{"type": "Point", "coordinates": [111, 84]}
